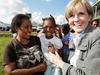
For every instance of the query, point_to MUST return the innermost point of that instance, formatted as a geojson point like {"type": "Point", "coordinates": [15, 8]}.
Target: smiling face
{"type": "Point", "coordinates": [79, 18]}
{"type": "Point", "coordinates": [49, 28]}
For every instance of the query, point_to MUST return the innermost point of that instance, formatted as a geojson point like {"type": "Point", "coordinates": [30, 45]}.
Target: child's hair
{"type": "Point", "coordinates": [50, 18]}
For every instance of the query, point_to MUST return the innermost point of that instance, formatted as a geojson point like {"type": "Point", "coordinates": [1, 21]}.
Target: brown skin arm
{"type": "Point", "coordinates": [11, 69]}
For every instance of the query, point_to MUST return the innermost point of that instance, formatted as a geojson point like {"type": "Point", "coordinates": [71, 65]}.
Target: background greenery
{"type": "Point", "coordinates": [3, 43]}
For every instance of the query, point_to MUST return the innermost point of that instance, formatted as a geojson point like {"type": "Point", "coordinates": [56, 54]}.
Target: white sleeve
{"type": "Point", "coordinates": [58, 43]}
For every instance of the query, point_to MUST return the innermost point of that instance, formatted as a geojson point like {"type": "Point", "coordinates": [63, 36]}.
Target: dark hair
{"type": "Point", "coordinates": [97, 20]}
{"type": "Point", "coordinates": [65, 29]}
{"type": "Point", "coordinates": [17, 21]}
{"type": "Point", "coordinates": [51, 18]}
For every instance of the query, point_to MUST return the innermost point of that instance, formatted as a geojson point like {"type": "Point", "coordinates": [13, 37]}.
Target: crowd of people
{"type": "Point", "coordinates": [73, 49]}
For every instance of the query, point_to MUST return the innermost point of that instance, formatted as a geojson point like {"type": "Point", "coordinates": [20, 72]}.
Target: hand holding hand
{"type": "Point", "coordinates": [51, 48]}
{"type": "Point", "coordinates": [56, 59]}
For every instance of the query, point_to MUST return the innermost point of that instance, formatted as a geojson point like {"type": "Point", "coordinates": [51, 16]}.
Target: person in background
{"type": "Point", "coordinates": [95, 23]}
{"type": "Point", "coordinates": [65, 29]}
{"type": "Point", "coordinates": [14, 35]}
{"type": "Point", "coordinates": [84, 58]}
{"type": "Point", "coordinates": [49, 42]}
{"type": "Point", "coordinates": [66, 38]}
{"type": "Point", "coordinates": [23, 55]}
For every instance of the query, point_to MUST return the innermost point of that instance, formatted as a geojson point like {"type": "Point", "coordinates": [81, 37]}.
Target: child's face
{"type": "Point", "coordinates": [49, 28]}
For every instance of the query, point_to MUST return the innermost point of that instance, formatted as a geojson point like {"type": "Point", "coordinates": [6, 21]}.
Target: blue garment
{"type": "Point", "coordinates": [66, 38]}
{"type": "Point", "coordinates": [53, 69]}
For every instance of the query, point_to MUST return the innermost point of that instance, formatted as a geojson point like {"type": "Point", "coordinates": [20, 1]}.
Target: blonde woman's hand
{"type": "Point", "coordinates": [56, 59]}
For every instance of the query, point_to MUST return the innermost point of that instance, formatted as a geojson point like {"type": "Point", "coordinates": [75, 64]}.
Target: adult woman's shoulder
{"type": "Point", "coordinates": [95, 34]}
{"type": "Point", "coordinates": [34, 37]}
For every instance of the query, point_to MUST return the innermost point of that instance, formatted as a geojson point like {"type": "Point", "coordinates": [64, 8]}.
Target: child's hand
{"type": "Point", "coordinates": [51, 48]}
{"type": "Point", "coordinates": [56, 59]}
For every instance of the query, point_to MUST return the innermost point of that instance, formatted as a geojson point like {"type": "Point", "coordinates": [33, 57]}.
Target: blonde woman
{"type": "Point", "coordinates": [84, 58]}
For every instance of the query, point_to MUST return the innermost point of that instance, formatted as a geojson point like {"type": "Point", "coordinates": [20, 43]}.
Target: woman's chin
{"type": "Point", "coordinates": [78, 30]}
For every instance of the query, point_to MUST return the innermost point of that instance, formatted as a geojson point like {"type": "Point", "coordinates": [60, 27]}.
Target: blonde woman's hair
{"type": "Point", "coordinates": [71, 5]}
